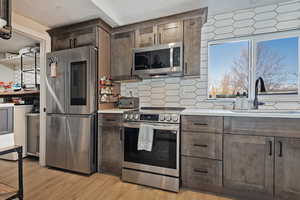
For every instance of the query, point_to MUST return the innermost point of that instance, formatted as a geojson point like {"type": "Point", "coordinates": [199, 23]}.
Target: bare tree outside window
{"type": "Point", "coordinates": [276, 62]}
{"type": "Point", "coordinates": [229, 70]}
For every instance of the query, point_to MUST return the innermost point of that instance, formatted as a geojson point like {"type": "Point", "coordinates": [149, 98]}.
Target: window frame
{"type": "Point", "coordinates": [253, 41]}
{"type": "Point", "coordinates": [226, 41]}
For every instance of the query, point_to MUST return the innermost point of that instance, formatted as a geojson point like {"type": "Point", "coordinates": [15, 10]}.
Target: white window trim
{"type": "Point", "coordinates": [253, 40]}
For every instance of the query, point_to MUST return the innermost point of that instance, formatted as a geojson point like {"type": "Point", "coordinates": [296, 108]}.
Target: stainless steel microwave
{"type": "Point", "coordinates": [160, 60]}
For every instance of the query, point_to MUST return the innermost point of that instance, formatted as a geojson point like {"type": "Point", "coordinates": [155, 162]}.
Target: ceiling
{"type": "Point", "coordinates": [16, 43]}
{"type": "Point", "coordinates": [120, 12]}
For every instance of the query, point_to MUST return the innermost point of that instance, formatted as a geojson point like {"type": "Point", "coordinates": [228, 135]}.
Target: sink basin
{"type": "Point", "coordinates": [268, 111]}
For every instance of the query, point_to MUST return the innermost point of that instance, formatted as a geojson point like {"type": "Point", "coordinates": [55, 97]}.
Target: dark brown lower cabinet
{"type": "Point", "coordinates": [199, 173]}
{"type": "Point", "coordinates": [249, 164]}
{"type": "Point", "coordinates": [287, 169]}
{"type": "Point", "coordinates": [110, 150]}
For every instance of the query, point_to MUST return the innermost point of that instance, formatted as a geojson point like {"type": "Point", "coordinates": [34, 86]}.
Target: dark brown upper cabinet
{"type": "Point", "coordinates": [146, 36]}
{"type": "Point", "coordinates": [73, 39]}
{"type": "Point", "coordinates": [192, 46]}
{"type": "Point", "coordinates": [77, 35]}
{"type": "Point", "coordinates": [170, 32]}
{"type": "Point", "coordinates": [156, 34]}
{"type": "Point", "coordinates": [122, 45]}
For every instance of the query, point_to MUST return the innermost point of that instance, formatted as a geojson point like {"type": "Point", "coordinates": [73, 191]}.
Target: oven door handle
{"type": "Point", "coordinates": [155, 126]}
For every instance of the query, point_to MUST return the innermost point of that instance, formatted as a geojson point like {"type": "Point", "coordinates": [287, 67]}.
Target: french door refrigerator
{"type": "Point", "coordinates": [71, 109]}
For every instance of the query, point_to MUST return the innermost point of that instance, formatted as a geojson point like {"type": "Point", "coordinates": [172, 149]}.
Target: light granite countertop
{"type": "Point", "coordinates": [6, 105]}
{"type": "Point", "coordinates": [243, 113]}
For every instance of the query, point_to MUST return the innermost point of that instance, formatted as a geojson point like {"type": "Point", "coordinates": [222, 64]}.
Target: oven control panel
{"type": "Point", "coordinates": [164, 118]}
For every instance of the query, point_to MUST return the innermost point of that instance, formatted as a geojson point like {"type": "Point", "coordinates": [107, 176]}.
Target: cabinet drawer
{"type": "Point", "coordinates": [282, 127]}
{"type": "Point", "coordinates": [201, 173]}
{"type": "Point", "coordinates": [109, 120]}
{"type": "Point", "coordinates": [205, 124]}
{"type": "Point", "coordinates": [202, 145]}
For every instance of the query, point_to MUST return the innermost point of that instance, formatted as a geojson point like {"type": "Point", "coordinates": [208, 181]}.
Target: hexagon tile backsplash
{"type": "Point", "coordinates": [193, 92]}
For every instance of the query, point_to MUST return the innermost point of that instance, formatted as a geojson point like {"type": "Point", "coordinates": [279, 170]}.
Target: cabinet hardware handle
{"type": "Point", "coordinates": [121, 134]}
{"type": "Point", "coordinates": [201, 171]}
{"type": "Point", "coordinates": [200, 124]}
{"type": "Point", "coordinates": [280, 149]}
{"type": "Point", "coordinates": [159, 38]}
{"type": "Point", "coordinates": [111, 120]}
{"type": "Point", "coordinates": [75, 42]}
{"type": "Point", "coordinates": [271, 148]}
{"type": "Point", "coordinates": [201, 145]}
{"type": "Point", "coordinates": [70, 43]}
{"type": "Point", "coordinates": [185, 68]}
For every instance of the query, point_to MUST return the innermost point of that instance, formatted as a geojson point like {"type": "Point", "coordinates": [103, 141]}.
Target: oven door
{"type": "Point", "coordinates": [164, 157]}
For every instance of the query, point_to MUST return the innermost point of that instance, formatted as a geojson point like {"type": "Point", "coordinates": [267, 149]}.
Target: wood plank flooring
{"type": "Point", "coordinates": [48, 184]}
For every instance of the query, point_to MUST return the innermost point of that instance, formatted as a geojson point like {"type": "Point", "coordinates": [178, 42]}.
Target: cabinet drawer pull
{"type": "Point", "coordinates": [121, 134]}
{"type": "Point", "coordinates": [200, 124]}
{"type": "Point", "coordinates": [201, 171]}
{"type": "Point", "coordinates": [280, 149]}
{"type": "Point", "coordinates": [70, 43]}
{"type": "Point", "coordinates": [75, 42]}
{"type": "Point", "coordinates": [110, 120]}
{"type": "Point", "coordinates": [159, 38]}
{"type": "Point", "coordinates": [201, 145]}
{"type": "Point", "coordinates": [271, 148]}
{"type": "Point", "coordinates": [186, 68]}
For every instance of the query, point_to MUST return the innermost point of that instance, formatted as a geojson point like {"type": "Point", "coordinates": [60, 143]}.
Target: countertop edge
{"type": "Point", "coordinates": [228, 113]}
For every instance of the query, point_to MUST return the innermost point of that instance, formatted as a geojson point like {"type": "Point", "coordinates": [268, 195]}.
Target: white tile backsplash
{"type": "Point", "coordinates": [193, 92]}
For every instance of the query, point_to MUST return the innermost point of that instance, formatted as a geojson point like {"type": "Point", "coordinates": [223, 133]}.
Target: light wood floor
{"type": "Point", "coordinates": [48, 184]}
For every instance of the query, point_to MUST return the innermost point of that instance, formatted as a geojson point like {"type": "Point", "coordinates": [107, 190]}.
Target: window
{"type": "Point", "coordinates": [228, 69]}
{"type": "Point", "coordinates": [277, 63]}
{"type": "Point", "coordinates": [234, 66]}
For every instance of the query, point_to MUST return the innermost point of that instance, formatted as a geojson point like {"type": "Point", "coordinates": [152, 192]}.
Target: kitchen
{"type": "Point", "coordinates": [188, 102]}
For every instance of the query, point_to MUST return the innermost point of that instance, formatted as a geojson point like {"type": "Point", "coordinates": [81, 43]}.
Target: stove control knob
{"type": "Point", "coordinates": [175, 118]}
{"type": "Point", "coordinates": [168, 117]}
{"type": "Point", "coordinates": [131, 116]}
{"type": "Point", "coordinates": [161, 118]}
{"type": "Point", "coordinates": [126, 116]}
{"type": "Point", "coordinates": [136, 116]}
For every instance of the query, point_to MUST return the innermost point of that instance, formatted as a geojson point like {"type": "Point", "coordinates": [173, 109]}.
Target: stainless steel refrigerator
{"type": "Point", "coordinates": [71, 109]}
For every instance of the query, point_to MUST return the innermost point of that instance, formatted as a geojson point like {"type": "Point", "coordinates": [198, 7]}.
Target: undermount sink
{"type": "Point", "coordinates": [268, 111]}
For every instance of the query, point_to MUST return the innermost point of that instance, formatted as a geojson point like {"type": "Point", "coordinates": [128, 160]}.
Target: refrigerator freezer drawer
{"type": "Point", "coordinates": [71, 145]}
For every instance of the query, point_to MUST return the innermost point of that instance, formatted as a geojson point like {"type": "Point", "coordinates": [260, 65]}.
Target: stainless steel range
{"type": "Point", "coordinates": [159, 167]}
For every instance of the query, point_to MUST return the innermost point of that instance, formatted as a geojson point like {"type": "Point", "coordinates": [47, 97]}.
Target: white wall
{"type": "Point", "coordinates": [6, 74]}
{"type": "Point", "coordinates": [38, 31]}
{"type": "Point", "coordinates": [193, 92]}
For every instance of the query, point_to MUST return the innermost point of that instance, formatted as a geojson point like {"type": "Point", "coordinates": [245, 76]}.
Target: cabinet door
{"type": "Point", "coordinates": [61, 42]}
{"type": "Point", "coordinates": [145, 37]}
{"type": "Point", "coordinates": [287, 163]}
{"type": "Point", "coordinates": [248, 164]}
{"type": "Point", "coordinates": [121, 55]}
{"type": "Point", "coordinates": [192, 46]}
{"type": "Point", "coordinates": [111, 150]}
{"type": "Point", "coordinates": [7, 120]}
{"type": "Point", "coordinates": [84, 37]}
{"type": "Point", "coordinates": [170, 32]}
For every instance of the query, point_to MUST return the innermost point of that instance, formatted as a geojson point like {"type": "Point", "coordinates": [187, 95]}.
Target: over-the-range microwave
{"type": "Point", "coordinates": [159, 60]}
